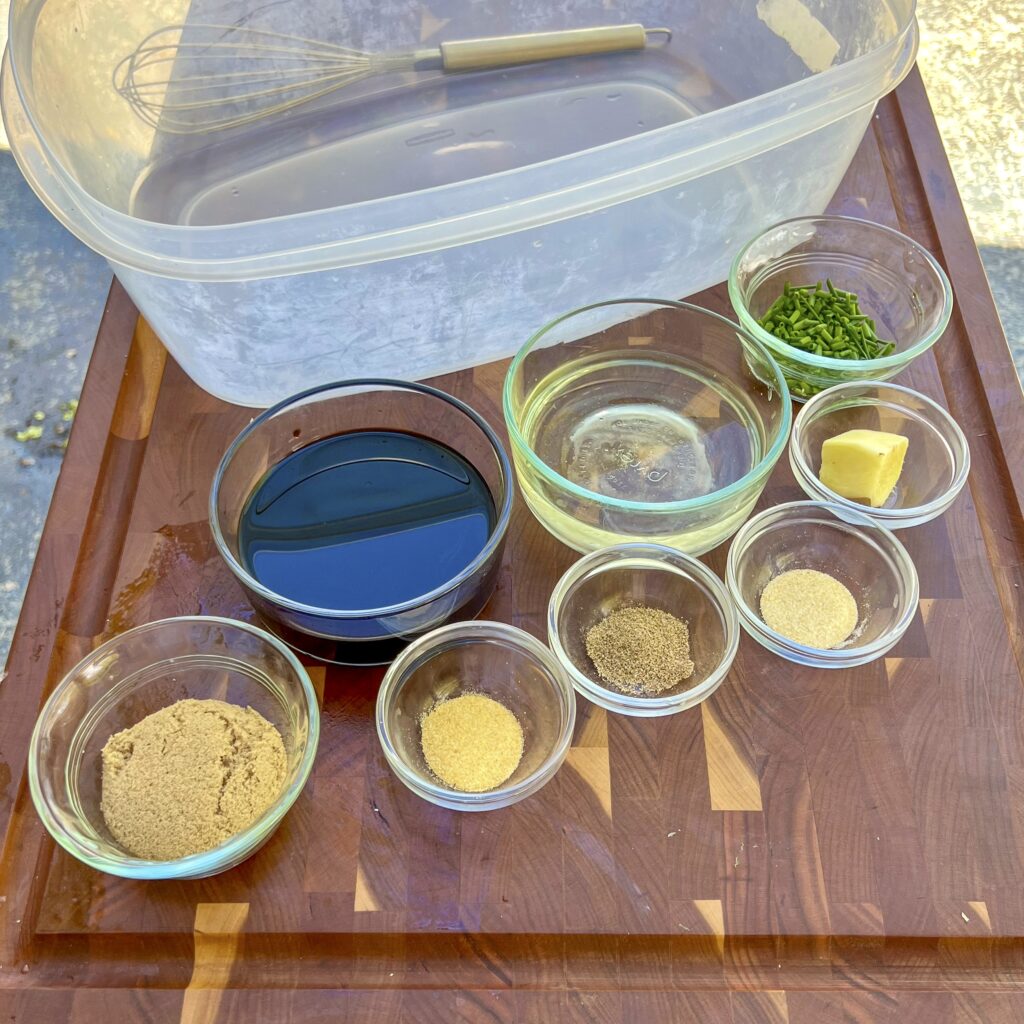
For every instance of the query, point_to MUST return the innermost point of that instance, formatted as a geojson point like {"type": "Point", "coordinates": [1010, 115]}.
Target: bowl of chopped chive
{"type": "Point", "coordinates": [643, 629]}
{"type": "Point", "coordinates": [821, 585]}
{"type": "Point", "coordinates": [837, 299]}
{"type": "Point", "coordinates": [475, 716]}
{"type": "Point", "coordinates": [841, 445]}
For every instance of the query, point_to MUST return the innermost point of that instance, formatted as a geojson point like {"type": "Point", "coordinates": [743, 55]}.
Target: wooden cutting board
{"type": "Point", "coordinates": [807, 847]}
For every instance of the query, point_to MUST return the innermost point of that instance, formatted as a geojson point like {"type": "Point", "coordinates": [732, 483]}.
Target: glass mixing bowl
{"type": "Point", "coordinates": [139, 672]}
{"type": "Point", "coordinates": [867, 559]}
{"type": "Point", "coordinates": [365, 635]}
{"type": "Point", "coordinates": [654, 576]}
{"type": "Point", "coordinates": [644, 420]}
{"type": "Point", "coordinates": [899, 285]}
{"type": "Point", "coordinates": [477, 657]}
{"type": "Point", "coordinates": [937, 461]}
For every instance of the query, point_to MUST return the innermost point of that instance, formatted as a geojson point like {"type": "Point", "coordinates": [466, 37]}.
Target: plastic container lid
{"type": "Point", "coordinates": [89, 157]}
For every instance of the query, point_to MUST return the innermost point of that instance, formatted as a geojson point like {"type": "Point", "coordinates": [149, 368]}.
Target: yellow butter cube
{"type": "Point", "coordinates": [863, 465]}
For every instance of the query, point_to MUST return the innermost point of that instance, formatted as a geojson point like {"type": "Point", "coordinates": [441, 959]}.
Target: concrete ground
{"type": "Point", "coordinates": [52, 288]}
{"type": "Point", "coordinates": [972, 59]}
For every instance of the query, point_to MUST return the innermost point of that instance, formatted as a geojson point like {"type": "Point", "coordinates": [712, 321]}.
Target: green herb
{"type": "Point", "coordinates": [826, 321]}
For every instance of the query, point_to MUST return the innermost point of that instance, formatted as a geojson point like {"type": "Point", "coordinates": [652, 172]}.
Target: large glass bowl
{"type": "Point", "coordinates": [937, 461]}
{"type": "Point", "coordinates": [653, 576]}
{"type": "Point", "coordinates": [139, 672]}
{"type": "Point", "coordinates": [867, 559]}
{"type": "Point", "coordinates": [898, 283]}
{"type": "Point", "coordinates": [491, 658]}
{"type": "Point", "coordinates": [644, 420]}
{"type": "Point", "coordinates": [364, 635]}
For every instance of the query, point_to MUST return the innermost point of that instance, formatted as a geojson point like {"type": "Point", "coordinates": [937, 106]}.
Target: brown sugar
{"type": "Point", "coordinates": [189, 776]}
{"type": "Point", "coordinates": [472, 742]}
{"type": "Point", "coordinates": [640, 650]}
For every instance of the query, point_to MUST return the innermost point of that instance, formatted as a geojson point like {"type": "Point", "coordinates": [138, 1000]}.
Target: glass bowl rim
{"type": "Point", "coordinates": [494, 539]}
{"type": "Point", "coordinates": [879, 516]}
{"type": "Point", "coordinates": [606, 558]}
{"type": "Point", "coordinates": [763, 467]}
{"type": "Point", "coordinates": [811, 359]}
{"type": "Point", "coordinates": [195, 864]}
{"type": "Point", "coordinates": [426, 647]}
{"type": "Point", "coordinates": [841, 517]}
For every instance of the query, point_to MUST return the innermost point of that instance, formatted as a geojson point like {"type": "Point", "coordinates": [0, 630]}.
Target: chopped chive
{"type": "Point", "coordinates": [825, 320]}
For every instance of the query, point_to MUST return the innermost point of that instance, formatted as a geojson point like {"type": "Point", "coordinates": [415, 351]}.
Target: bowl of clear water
{"type": "Point", "coordinates": [644, 420]}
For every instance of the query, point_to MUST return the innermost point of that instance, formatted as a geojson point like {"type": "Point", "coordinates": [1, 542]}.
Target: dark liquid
{"type": "Point", "coordinates": [365, 520]}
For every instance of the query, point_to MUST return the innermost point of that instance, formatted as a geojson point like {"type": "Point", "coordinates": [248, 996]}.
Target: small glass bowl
{"type": "Point", "coordinates": [937, 463]}
{"type": "Point", "coordinates": [897, 282]}
{"type": "Point", "coordinates": [498, 661]}
{"type": "Point", "coordinates": [628, 575]}
{"type": "Point", "coordinates": [644, 420]}
{"type": "Point", "coordinates": [867, 559]}
{"type": "Point", "coordinates": [139, 672]}
{"type": "Point", "coordinates": [370, 635]}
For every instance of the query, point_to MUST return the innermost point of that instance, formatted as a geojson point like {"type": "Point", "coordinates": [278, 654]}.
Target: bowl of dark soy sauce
{"type": "Point", "coordinates": [359, 515]}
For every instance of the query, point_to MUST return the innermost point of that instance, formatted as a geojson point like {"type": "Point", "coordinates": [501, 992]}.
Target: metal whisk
{"type": "Point", "coordinates": [191, 79]}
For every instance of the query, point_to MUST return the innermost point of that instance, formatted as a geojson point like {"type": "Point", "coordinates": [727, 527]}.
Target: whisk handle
{"type": "Point", "coordinates": [502, 51]}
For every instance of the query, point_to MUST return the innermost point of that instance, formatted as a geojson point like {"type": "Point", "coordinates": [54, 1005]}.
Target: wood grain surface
{"type": "Point", "coordinates": [805, 848]}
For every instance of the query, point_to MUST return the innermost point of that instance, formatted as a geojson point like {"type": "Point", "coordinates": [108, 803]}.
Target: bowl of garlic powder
{"type": "Point", "coordinates": [175, 749]}
{"type": "Point", "coordinates": [821, 585]}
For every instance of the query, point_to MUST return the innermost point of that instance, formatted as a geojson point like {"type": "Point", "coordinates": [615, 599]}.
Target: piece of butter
{"type": "Point", "coordinates": [863, 465]}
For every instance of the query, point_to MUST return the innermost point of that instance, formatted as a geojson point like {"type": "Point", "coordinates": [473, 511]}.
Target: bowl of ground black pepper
{"type": "Point", "coordinates": [175, 749]}
{"type": "Point", "coordinates": [643, 629]}
{"type": "Point", "coordinates": [821, 585]}
{"type": "Point", "coordinates": [475, 716]}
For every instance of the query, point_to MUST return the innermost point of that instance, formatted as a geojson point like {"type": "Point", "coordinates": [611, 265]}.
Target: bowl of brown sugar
{"type": "Point", "coordinates": [643, 629]}
{"type": "Point", "coordinates": [175, 749]}
{"type": "Point", "coordinates": [475, 716]}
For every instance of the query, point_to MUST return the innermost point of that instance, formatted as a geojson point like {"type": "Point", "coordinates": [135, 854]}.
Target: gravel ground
{"type": "Point", "coordinates": [52, 288]}
{"type": "Point", "coordinates": [51, 294]}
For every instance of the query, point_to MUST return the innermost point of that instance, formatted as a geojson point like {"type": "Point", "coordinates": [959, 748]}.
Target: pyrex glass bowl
{"type": "Point", "coordinates": [644, 419]}
{"type": "Point", "coordinates": [937, 461]}
{"type": "Point", "coordinates": [651, 575]}
{"type": "Point", "coordinates": [899, 285]}
{"type": "Point", "coordinates": [867, 559]}
{"type": "Point", "coordinates": [477, 657]}
{"type": "Point", "coordinates": [368, 635]}
{"type": "Point", "coordinates": [139, 672]}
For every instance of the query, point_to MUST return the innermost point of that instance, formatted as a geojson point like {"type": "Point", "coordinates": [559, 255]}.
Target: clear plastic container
{"type": "Point", "coordinates": [431, 221]}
